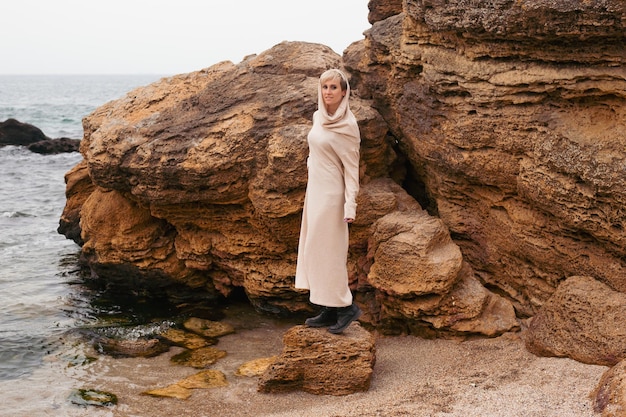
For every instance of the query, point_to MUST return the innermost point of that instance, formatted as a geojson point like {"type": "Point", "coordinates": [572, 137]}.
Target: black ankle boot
{"type": "Point", "coordinates": [345, 316]}
{"type": "Point", "coordinates": [327, 316]}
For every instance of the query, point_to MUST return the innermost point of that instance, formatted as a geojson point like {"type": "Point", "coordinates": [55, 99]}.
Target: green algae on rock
{"type": "Point", "coordinates": [93, 397]}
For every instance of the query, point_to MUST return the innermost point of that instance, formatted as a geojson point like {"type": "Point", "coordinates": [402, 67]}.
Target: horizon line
{"type": "Point", "coordinates": [13, 74]}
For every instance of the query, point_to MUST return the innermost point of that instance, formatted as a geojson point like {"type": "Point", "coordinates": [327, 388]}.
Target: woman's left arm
{"type": "Point", "coordinates": [350, 161]}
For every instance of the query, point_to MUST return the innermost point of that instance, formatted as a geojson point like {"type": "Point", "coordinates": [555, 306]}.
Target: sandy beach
{"type": "Point", "coordinates": [412, 377]}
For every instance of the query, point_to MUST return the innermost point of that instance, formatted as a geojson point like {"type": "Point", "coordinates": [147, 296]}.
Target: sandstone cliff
{"type": "Point", "coordinates": [492, 166]}
{"type": "Point", "coordinates": [512, 115]}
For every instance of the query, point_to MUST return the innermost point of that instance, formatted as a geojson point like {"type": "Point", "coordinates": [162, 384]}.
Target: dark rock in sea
{"type": "Point", "coordinates": [14, 132]}
{"type": "Point", "coordinates": [54, 146]}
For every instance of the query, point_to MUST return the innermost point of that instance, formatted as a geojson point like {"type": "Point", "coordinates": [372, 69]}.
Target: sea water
{"type": "Point", "coordinates": [41, 295]}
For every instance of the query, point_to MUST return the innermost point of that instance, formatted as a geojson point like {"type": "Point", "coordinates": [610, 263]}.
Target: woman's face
{"type": "Point", "coordinates": [332, 94]}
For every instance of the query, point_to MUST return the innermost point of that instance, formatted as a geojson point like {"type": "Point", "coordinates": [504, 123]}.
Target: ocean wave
{"type": "Point", "coordinates": [12, 214]}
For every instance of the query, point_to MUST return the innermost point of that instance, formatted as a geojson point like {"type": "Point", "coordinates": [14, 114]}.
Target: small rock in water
{"type": "Point", "coordinates": [171, 391]}
{"type": "Point", "coordinates": [187, 339]}
{"type": "Point", "coordinates": [54, 146]}
{"type": "Point", "coordinates": [255, 367]}
{"type": "Point", "coordinates": [198, 358]}
{"type": "Point", "coordinates": [205, 379]}
{"type": "Point", "coordinates": [92, 397]}
{"type": "Point", "coordinates": [208, 328]}
{"type": "Point", "coordinates": [140, 348]}
{"type": "Point", "coordinates": [182, 389]}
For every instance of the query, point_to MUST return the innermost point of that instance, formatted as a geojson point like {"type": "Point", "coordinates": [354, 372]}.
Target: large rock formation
{"type": "Point", "coordinates": [199, 179]}
{"type": "Point", "coordinates": [504, 121]}
{"type": "Point", "coordinates": [513, 118]}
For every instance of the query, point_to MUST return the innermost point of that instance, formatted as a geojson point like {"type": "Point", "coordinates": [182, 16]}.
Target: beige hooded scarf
{"type": "Point", "coordinates": [332, 188]}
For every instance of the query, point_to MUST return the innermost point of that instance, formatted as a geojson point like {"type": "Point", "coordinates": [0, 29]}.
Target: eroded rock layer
{"type": "Point", "coordinates": [513, 116]}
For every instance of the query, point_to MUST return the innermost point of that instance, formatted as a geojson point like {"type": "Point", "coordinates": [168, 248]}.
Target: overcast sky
{"type": "Point", "coordinates": [164, 36]}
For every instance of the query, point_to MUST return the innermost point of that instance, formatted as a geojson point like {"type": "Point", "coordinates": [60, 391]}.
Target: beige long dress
{"type": "Point", "coordinates": [332, 188]}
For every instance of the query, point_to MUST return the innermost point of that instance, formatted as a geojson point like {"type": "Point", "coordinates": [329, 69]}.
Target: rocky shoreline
{"type": "Point", "coordinates": [492, 377]}
{"type": "Point", "coordinates": [491, 169]}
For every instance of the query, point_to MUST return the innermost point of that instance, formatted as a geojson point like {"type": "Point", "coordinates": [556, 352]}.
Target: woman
{"type": "Point", "coordinates": [330, 205]}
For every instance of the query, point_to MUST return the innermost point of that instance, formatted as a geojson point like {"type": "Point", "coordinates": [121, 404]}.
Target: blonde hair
{"type": "Point", "coordinates": [334, 74]}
